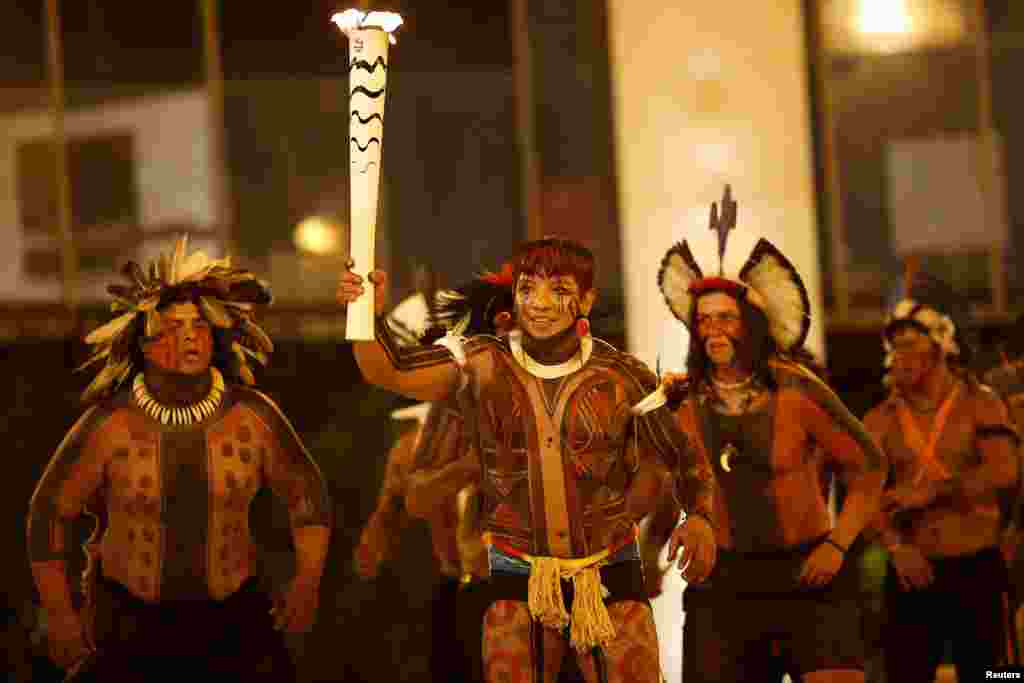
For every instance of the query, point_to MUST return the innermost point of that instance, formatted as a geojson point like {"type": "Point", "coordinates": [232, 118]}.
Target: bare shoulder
{"type": "Point", "coordinates": [801, 380]}
{"type": "Point", "coordinates": [988, 403]}
{"type": "Point", "coordinates": [263, 406]}
{"type": "Point", "coordinates": [1006, 380]}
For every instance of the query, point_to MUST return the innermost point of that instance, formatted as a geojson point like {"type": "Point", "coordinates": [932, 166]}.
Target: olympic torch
{"type": "Point", "coordinates": [369, 35]}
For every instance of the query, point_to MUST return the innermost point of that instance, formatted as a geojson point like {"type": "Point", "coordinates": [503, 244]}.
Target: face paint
{"type": "Point", "coordinates": [185, 342]}
{"type": "Point", "coordinates": [914, 356]}
{"type": "Point", "coordinates": [547, 306]}
{"type": "Point", "coordinates": [720, 327]}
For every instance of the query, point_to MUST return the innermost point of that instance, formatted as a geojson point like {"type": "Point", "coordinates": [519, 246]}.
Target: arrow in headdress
{"type": "Point", "coordinates": [723, 224]}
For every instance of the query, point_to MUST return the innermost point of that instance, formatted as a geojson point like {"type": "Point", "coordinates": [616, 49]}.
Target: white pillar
{"type": "Point", "coordinates": [706, 94]}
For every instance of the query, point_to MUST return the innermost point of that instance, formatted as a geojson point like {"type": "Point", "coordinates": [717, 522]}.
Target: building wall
{"type": "Point", "coordinates": [173, 179]}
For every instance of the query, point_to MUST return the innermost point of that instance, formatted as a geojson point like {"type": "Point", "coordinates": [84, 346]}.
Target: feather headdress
{"type": "Point", "coordinates": [470, 308]}
{"type": "Point", "coordinates": [932, 306]}
{"type": "Point", "coordinates": [410, 319]}
{"type": "Point", "coordinates": [766, 279]}
{"type": "Point", "coordinates": [226, 297]}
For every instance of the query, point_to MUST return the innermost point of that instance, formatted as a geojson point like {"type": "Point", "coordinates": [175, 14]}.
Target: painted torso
{"type": "Point", "coordinates": [772, 494]}
{"type": "Point", "coordinates": [946, 527]}
{"type": "Point", "coordinates": [559, 461]}
{"type": "Point", "coordinates": [176, 498]}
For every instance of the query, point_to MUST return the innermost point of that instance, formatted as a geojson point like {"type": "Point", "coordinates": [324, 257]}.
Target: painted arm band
{"type": "Point", "coordinates": [997, 431]}
{"type": "Point", "coordinates": [412, 357]}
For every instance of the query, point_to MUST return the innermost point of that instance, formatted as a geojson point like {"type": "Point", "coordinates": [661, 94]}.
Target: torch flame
{"type": "Point", "coordinates": [354, 20]}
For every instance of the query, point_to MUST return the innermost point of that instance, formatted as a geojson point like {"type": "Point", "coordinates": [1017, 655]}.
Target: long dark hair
{"type": "Point", "coordinates": [753, 351]}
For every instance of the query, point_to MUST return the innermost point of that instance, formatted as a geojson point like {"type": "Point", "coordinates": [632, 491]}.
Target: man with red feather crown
{"type": "Point", "coordinates": [565, 470]}
{"type": "Point", "coordinates": [781, 574]}
{"type": "Point", "coordinates": [172, 449]}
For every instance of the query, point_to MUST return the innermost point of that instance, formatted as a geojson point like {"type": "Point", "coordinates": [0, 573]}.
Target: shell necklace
{"type": "Point", "coordinates": [180, 415]}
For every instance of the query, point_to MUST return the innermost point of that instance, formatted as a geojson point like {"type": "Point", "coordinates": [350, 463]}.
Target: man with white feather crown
{"type": "Point", "coordinates": [766, 425]}
{"type": "Point", "coordinates": [173, 447]}
{"type": "Point", "coordinates": [953, 450]}
{"type": "Point", "coordinates": [565, 470]}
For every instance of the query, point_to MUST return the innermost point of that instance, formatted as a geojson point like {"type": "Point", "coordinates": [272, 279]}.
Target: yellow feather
{"type": "Point", "coordinates": [261, 338]}
{"type": "Point", "coordinates": [216, 313]}
{"type": "Point", "coordinates": [95, 358]}
{"type": "Point", "coordinates": [178, 260]}
{"type": "Point", "coordinates": [107, 332]}
{"type": "Point", "coordinates": [153, 323]}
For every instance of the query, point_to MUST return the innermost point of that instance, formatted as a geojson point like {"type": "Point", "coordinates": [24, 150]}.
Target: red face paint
{"type": "Point", "coordinates": [185, 342]}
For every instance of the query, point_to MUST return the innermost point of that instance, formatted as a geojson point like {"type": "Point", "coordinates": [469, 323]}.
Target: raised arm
{"type": "Point", "coordinates": [422, 373]}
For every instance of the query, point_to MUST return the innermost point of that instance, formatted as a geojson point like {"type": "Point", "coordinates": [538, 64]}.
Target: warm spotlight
{"type": "Point", "coordinates": [318, 235]}
{"type": "Point", "coordinates": [884, 17]}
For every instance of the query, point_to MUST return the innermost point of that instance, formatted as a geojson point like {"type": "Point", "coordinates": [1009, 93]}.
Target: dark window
{"type": "Point", "coordinates": [101, 170]}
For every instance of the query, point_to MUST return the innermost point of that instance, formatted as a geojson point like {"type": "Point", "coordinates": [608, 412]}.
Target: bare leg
{"type": "Point", "coordinates": [633, 656]}
{"type": "Point", "coordinates": [509, 645]}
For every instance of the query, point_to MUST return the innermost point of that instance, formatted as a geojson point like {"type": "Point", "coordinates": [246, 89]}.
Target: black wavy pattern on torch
{"type": "Point", "coordinates": [367, 66]}
{"type": "Point", "coordinates": [365, 168]}
{"type": "Point", "coordinates": [369, 118]}
{"type": "Point", "coordinates": [363, 148]}
{"type": "Point", "coordinates": [372, 94]}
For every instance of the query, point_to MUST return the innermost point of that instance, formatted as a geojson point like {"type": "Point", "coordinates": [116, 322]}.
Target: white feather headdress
{"type": "Point", "coordinates": [766, 278]}
{"type": "Point", "coordinates": [939, 326]}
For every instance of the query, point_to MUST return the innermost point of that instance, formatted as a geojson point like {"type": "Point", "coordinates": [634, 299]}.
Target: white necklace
{"type": "Point", "coordinates": [735, 396]}
{"type": "Point", "coordinates": [538, 369]}
{"type": "Point", "coordinates": [732, 386]}
{"type": "Point", "coordinates": [180, 415]}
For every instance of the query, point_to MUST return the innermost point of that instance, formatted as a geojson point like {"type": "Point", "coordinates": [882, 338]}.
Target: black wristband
{"type": "Point", "coordinates": [836, 545]}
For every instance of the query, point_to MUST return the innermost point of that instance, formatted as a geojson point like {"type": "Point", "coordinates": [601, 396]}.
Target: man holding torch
{"type": "Point", "coordinates": [565, 470]}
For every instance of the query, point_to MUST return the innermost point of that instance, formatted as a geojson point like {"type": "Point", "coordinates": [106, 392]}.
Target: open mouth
{"type": "Point", "coordinates": [192, 355]}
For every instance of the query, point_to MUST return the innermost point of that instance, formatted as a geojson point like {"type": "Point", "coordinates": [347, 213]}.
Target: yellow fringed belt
{"type": "Point", "coordinates": [590, 624]}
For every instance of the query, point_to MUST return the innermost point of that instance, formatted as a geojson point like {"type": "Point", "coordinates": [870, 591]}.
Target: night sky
{"type": "Point", "coordinates": [452, 152]}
